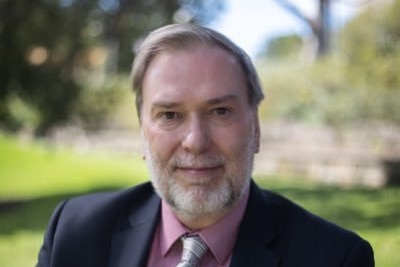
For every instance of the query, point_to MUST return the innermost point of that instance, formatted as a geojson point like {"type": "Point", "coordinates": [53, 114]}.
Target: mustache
{"type": "Point", "coordinates": [190, 161]}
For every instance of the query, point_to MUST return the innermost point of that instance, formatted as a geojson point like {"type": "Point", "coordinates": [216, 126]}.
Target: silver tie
{"type": "Point", "coordinates": [193, 249]}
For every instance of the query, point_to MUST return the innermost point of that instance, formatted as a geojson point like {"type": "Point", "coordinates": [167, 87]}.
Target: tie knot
{"type": "Point", "coordinates": [193, 250]}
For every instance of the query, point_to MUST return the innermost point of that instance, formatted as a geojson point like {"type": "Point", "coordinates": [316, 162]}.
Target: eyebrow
{"type": "Point", "coordinates": [164, 104]}
{"type": "Point", "coordinates": [219, 100]}
{"type": "Point", "coordinates": [212, 101]}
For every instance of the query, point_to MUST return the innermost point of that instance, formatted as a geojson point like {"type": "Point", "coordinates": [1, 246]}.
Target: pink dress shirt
{"type": "Point", "coordinates": [220, 238]}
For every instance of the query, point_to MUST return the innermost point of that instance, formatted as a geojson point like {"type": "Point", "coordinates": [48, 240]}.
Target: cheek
{"type": "Point", "coordinates": [160, 144]}
{"type": "Point", "coordinates": [232, 143]}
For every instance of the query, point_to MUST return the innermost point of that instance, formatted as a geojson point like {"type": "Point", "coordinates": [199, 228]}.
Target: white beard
{"type": "Point", "coordinates": [209, 195]}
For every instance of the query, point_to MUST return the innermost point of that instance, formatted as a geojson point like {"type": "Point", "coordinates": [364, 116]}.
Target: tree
{"type": "Point", "coordinates": [371, 43]}
{"type": "Point", "coordinates": [319, 26]}
{"type": "Point", "coordinates": [47, 45]}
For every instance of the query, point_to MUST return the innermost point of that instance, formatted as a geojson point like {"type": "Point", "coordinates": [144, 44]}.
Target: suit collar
{"type": "Point", "coordinates": [256, 233]}
{"type": "Point", "coordinates": [131, 243]}
{"type": "Point", "coordinates": [132, 240]}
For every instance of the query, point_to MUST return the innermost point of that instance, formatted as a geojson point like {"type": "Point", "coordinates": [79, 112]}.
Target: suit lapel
{"type": "Point", "coordinates": [256, 232]}
{"type": "Point", "coordinates": [131, 243]}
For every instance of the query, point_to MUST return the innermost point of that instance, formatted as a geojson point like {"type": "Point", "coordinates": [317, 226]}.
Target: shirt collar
{"type": "Point", "coordinates": [219, 237]}
{"type": "Point", "coordinates": [171, 229]}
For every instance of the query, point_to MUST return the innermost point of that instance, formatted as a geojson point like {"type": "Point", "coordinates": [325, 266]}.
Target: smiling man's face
{"type": "Point", "coordinates": [201, 134]}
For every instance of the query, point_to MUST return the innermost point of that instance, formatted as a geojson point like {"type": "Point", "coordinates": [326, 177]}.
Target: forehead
{"type": "Point", "coordinates": [193, 56]}
{"type": "Point", "coordinates": [198, 72]}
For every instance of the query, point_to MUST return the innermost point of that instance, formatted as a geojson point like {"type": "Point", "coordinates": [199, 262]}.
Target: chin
{"type": "Point", "coordinates": [200, 200]}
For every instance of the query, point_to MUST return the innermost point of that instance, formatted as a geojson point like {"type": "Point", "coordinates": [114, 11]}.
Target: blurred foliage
{"type": "Point", "coordinates": [358, 82]}
{"type": "Point", "coordinates": [283, 47]}
{"type": "Point", "coordinates": [97, 106]}
{"type": "Point", "coordinates": [371, 44]}
{"type": "Point", "coordinates": [49, 47]}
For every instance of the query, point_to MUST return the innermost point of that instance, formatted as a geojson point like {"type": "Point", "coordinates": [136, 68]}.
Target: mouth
{"type": "Point", "coordinates": [200, 171]}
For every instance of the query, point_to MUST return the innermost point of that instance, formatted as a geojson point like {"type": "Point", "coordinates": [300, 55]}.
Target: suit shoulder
{"type": "Point", "coordinates": [137, 192]}
{"type": "Point", "coordinates": [302, 238]}
{"type": "Point", "coordinates": [104, 205]}
{"type": "Point", "coordinates": [87, 225]}
{"type": "Point", "coordinates": [295, 220]}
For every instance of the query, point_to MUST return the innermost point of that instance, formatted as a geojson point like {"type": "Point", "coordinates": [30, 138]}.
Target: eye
{"type": "Point", "coordinates": [221, 111]}
{"type": "Point", "coordinates": [169, 115]}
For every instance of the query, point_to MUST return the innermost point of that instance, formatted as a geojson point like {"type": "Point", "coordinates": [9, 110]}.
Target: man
{"type": "Point", "coordinates": [197, 96]}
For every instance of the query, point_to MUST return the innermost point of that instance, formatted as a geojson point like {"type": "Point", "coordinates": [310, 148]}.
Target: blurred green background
{"type": "Point", "coordinates": [35, 177]}
{"type": "Point", "coordinates": [68, 124]}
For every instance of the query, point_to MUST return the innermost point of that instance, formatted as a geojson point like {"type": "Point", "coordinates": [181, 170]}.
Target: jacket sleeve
{"type": "Point", "coordinates": [361, 254]}
{"type": "Point", "coordinates": [45, 253]}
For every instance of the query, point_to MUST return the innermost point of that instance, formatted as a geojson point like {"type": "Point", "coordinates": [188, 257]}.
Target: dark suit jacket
{"type": "Point", "coordinates": [116, 230]}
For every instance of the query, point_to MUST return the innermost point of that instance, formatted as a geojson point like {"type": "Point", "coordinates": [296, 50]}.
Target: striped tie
{"type": "Point", "coordinates": [193, 249]}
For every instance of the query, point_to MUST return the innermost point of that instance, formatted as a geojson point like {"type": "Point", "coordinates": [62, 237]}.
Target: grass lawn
{"type": "Point", "coordinates": [35, 177]}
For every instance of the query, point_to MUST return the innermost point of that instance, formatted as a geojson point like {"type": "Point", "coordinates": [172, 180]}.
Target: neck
{"type": "Point", "coordinates": [198, 222]}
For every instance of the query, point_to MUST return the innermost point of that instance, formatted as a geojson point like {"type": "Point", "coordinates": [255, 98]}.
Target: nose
{"type": "Point", "coordinates": [197, 137]}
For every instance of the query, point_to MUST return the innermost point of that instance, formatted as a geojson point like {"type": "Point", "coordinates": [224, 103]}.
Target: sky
{"type": "Point", "coordinates": [250, 23]}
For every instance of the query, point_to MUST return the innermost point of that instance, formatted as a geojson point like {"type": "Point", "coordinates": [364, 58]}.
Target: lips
{"type": "Point", "coordinates": [198, 167]}
{"type": "Point", "coordinates": [201, 172]}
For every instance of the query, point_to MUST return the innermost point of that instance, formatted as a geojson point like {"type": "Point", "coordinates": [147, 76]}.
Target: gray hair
{"type": "Point", "coordinates": [184, 36]}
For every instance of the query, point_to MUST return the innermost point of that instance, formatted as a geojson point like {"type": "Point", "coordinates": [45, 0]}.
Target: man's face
{"type": "Point", "coordinates": [200, 132]}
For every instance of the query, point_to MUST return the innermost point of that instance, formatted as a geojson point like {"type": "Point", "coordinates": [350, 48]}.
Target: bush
{"type": "Point", "coordinates": [112, 103]}
{"type": "Point", "coordinates": [358, 82]}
